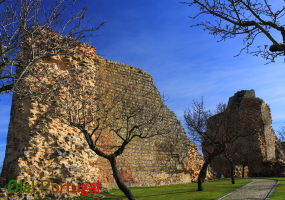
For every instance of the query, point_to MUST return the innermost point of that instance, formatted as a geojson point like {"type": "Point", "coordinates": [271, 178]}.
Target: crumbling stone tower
{"type": "Point", "coordinates": [258, 147]}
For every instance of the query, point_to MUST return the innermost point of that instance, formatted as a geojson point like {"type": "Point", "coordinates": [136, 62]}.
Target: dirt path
{"type": "Point", "coordinates": [258, 189]}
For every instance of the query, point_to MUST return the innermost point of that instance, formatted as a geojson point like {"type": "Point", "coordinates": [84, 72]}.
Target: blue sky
{"type": "Point", "coordinates": [185, 62]}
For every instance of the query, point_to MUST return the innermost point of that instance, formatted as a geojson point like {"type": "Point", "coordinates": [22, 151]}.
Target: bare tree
{"type": "Point", "coordinates": [100, 113]}
{"type": "Point", "coordinates": [26, 35]}
{"type": "Point", "coordinates": [280, 150]}
{"type": "Point", "coordinates": [196, 122]}
{"type": "Point", "coordinates": [221, 107]}
{"type": "Point", "coordinates": [281, 133]}
{"type": "Point", "coordinates": [213, 142]}
{"type": "Point", "coordinates": [249, 18]}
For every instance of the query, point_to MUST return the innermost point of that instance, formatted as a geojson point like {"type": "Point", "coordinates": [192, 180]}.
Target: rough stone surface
{"type": "Point", "coordinates": [257, 146]}
{"type": "Point", "coordinates": [40, 147]}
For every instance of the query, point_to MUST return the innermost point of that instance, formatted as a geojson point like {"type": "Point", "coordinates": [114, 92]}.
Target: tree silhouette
{"type": "Point", "coordinates": [24, 23]}
{"type": "Point", "coordinates": [248, 18]}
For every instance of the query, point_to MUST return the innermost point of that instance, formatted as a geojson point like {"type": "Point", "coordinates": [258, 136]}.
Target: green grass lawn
{"type": "Point", "coordinates": [212, 190]}
{"type": "Point", "coordinates": [279, 192]}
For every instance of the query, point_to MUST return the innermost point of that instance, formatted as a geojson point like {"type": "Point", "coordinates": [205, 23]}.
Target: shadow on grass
{"type": "Point", "coordinates": [110, 197]}
{"type": "Point", "coordinates": [105, 196]}
{"type": "Point", "coordinates": [166, 194]}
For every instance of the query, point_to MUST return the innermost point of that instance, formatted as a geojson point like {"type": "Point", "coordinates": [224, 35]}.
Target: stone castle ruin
{"type": "Point", "coordinates": [259, 149]}
{"type": "Point", "coordinates": [40, 147]}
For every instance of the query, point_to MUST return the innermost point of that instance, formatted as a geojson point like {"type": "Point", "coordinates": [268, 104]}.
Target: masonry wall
{"type": "Point", "coordinates": [40, 146]}
{"type": "Point", "coordinates": [248, 118]}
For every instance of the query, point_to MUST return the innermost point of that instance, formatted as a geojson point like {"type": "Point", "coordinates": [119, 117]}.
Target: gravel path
{"type": "Point", "coordinates": [258, 189]}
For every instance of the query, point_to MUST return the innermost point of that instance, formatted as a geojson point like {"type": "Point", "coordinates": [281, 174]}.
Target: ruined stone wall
{"type": "Point", "coordinates": [249, 118]}
{"type": "Point", "coordinates": [40, 146]}
{"type": "Point", "coordinates": [139, 165]}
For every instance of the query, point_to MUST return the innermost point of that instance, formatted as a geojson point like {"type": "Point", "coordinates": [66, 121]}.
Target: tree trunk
{"type": "Point", "coordinates": [203, 170]}
{"type": "Point", "coordinates": [243, 166]}
{"type": "Point", "coordinates": [233, 174]}
{"type": "Point", "coordinates": [203, 173]}
{"type": "Point", "coordinates": [119, 181]}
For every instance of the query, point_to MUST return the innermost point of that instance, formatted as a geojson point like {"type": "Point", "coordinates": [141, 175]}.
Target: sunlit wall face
{"type": "Point", "coordinates": [185, 62]}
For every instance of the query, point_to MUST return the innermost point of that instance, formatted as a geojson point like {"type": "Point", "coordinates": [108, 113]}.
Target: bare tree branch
{"type": "Point", "coordinates": [27, 30]}
{"type": "Point", "coordinates": [281, 133]}
{"type": "Point", "coordinates": [109, 119]}
{"type": "Point", "coordinates": [249, 18]}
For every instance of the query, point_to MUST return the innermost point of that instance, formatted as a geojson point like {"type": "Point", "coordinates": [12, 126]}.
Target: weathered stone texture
{"type": "Point", "coordinates": [42, 147]}
{"type": "Point", "coordinates": [257, 145]}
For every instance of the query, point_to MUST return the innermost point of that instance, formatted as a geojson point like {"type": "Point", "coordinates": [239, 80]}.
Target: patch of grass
{"type": "Point", "coordinates": [212, 190]}
{"type": "Point", "coordinates": [279, 192]}
{"type": "Point", "coordinates": [103, 195]}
